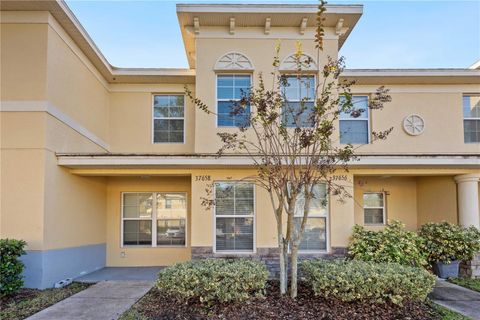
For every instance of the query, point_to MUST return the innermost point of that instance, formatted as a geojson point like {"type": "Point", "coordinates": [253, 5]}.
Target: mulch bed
{"type": "Point", "coordinates": [156, 306]}
{"type": "Point", "coordinates": [27, 302]}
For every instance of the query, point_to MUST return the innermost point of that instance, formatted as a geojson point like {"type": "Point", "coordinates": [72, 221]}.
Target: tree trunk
{"type": "Point", "coordinates": [283, 267]}
{"type": "Point", "coordinates": [294, 271]}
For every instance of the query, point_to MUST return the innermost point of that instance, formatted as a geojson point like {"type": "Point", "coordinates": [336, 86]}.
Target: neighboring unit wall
{"type": "Point", "coordinates": [58, 105]}
{"type": "Point", "coordinates": [437, 199]}
{"type": "Point", "coordinates": [440, 106]}
{"type": "Point", "coordinates": [131, 119]}
{"type": "Point", "coordinates": [400, 198]}
{"type": "Point", "coordinates": [117, 255]}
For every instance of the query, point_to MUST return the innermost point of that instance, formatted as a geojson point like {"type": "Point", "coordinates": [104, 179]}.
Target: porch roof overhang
{"type": "Point", "coordinates": [92, 161]}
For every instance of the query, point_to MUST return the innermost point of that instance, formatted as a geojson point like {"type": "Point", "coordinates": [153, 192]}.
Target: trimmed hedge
{"type": "Point", "coordinates": [368, 281]}
{"type": "Point", "coordinates": [11, 267]}
{"type": "Point", "coordinates": [392, 244]}
{"type": "Point", "coordinates": [214, 280]}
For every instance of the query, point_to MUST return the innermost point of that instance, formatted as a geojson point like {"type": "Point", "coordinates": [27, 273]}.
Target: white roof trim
{"type": "Point", "coordinates": [211, 160]}
{"type": "Point", "coordinates": [409, 72]}
{"type": "Point", "coordinates": [266, 8]}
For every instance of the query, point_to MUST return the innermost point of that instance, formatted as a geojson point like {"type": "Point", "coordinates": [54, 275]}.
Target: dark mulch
{"type": "Point", "coordinates": [156, 306]}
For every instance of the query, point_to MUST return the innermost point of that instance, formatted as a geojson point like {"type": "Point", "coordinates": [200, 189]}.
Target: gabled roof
{"type": "Point", "coordinates": [256, 15]}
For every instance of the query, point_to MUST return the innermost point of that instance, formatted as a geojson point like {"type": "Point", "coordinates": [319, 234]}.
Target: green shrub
{"type": "Point", "coordinates": [214, 280]}
{"type": "Point", "coordinates": [11, 267]}
{"type": "Point", "coordinates": [368, 281]}
{"type": "Point", "coordinates": [392, 244]}
{"type": "Point", "coordinates": [445, 242]}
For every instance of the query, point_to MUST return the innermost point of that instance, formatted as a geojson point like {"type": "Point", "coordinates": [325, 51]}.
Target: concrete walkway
{"type": "Point", "coordinates": [121, 273]}
{"type": "Point", "coordinates": [106, 300]}
{"type": "Point", "coordinates": [456, 298]}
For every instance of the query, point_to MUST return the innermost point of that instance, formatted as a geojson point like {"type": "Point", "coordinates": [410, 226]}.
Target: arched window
{"type": "Point", "coordinates": [289, 63]}
{"type": "Point", "coordinates": [233, 61]}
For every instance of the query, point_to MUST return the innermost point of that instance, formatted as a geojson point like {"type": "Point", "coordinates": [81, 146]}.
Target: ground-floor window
{"type": "Point", "coordinates": [374, 207]}
{"type": "Point", "coordinates": [234, 216]}
{"type": "Point", "coordinates": [315, 233]}
{"type": "Point", "coordinates": [154, 219]}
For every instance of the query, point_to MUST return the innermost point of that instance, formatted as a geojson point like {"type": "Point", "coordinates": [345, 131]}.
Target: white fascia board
{"type": "Point", "coordinates": [266, 8]}
{"type": "Point", "coordinates": [409, 73]}
{"type": "Point", "coordinates": [105, 161]}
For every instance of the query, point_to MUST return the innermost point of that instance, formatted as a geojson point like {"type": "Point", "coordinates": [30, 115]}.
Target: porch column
{"type": "Point", "coordinates": [468, 207]}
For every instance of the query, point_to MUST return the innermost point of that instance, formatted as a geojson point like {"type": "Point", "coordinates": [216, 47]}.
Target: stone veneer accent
{"type": "Point", "coordinates": [471, 269]}
{"type": "Point", "coordinates": [269, 256]}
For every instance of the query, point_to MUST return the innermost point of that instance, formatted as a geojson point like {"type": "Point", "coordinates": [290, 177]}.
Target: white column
{"type": "Point", "coordinates": [468, 207]}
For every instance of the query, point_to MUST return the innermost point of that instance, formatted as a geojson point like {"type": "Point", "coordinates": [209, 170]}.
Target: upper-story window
{"type": "Point", "coordinates": [230, 90]}
{"type": "Point", "coordinates": [355, 130]}
{"type": "Point", "coordinates": [299, 93]}
{"type": "Point", "coordinates": [471, 118]}
{"type": "Point", "coordinates": [168, 119]}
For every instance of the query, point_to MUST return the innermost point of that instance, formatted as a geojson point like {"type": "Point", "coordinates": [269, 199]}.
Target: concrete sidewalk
{"type": "Point", "coordinates": [456, 298]}
{"type": "Point", "coordinates": [106, 300]}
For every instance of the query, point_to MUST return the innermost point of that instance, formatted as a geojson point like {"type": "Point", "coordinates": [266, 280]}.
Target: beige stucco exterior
{"type": "Point", "coordinates": [77, 132]}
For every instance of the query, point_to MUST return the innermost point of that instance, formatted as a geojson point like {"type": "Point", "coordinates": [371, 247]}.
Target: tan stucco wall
{"type": "Point", "coordinates": [41, 202]}
{"type": "Point", "coordinates": [143, 256]}
{"type": "Point", "coordinates": [260, 51]}
{"type": "Point", "coordinates": [23, 60]}
{"type": "Point", "coordinates": [400, 198]}
{"type": "Point", "coordinates": [439, 106]}
{"type": "Point", "coordinates": [75, 208]}
{"type": "Point", "coordinates": [73, 85]}
{"type": "Point", "coordinates": [437, 199]}
{"type": "Point", "coordinates": [131, 120]}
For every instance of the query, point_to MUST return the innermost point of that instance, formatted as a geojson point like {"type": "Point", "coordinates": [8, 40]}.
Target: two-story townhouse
{"type": "Point", "coordinates": [104, 166]}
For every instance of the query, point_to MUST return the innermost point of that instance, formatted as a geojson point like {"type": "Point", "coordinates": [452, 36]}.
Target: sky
{"type": "Point", "coordinates": [390, 34]}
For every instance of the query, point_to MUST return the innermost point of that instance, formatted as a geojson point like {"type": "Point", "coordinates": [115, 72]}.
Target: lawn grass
{"type": "Point", "coordinates": [472, 284]}
{"type": "Point", "coordinates": [444, 313]}
{"type": "Point", "coordinates": [27, 302]}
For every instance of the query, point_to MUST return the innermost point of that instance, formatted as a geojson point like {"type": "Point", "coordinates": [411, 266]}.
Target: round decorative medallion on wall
{"type": "Point", "coordinates": [413, 124]}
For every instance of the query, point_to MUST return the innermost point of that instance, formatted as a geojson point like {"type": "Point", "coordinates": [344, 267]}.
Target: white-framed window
{"type": "Point", "coordinates": [168, 118]}
{"type": "Point", "coordinates": [315, 232]}
{"type": "Point", "coordinates": [356, 130]}
{"type": "Point", "coordinates": [154, 219]}
{"type": "Point", "coordinates": [471, 118]}
{"type": "Point", "coordinates": [230, 90]}
{"type": "Point", "coordinates": [299, 92]}
{"type": "Point", "coordinates": [234, 217]}
{"type": "Point", "coordinates": [374, 208]}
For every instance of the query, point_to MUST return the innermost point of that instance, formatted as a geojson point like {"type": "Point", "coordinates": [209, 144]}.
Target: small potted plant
{"type": "Point", "coordinates": [448, 244]}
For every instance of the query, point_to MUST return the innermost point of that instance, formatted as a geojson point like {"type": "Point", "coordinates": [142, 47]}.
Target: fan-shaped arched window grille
{"type": "Point", "coordinates": [233, 61]}
{"type": "Point", "coordinates": [290, 63]}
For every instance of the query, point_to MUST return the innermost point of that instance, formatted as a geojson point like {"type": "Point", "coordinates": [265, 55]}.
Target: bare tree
{"type": "Point", "coordinates": [294, 147]}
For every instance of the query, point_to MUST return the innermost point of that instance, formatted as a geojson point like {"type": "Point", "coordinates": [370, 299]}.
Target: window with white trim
{"type": "Point", "coordinates": [234, 216]}
{"type": "Point", "coordinates": [354, 128]}
{"type": "Point", "coordinates": [299, 93]}
{"type": "Point", "coordinates": [315, 232]}
{"type": "Point", "coordinates": [231, 88]}
{"type": "Point", "coordinates": [154, 219]}
{"type": "Point", "coordinates": [168, 118]}
{"type": "Point", "coordinates": [374, 208]}
{"type": "Point", "coordinates": [471, 118]}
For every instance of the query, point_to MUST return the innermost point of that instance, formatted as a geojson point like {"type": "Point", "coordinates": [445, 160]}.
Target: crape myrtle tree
{"type": "Point", "coordinates": [294, 146]}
